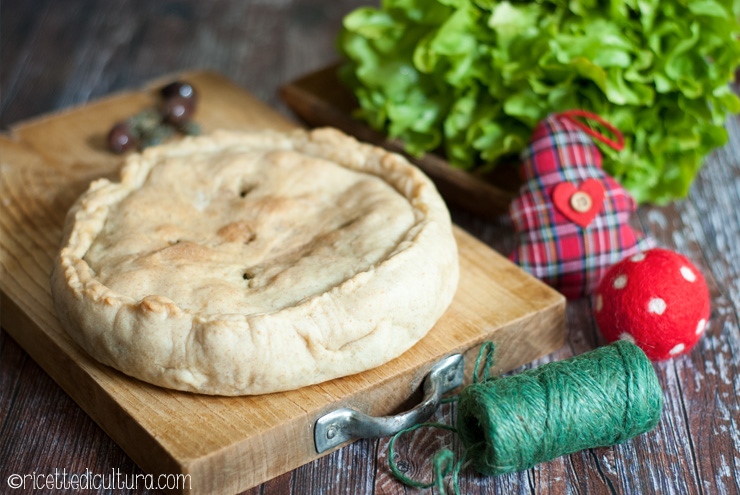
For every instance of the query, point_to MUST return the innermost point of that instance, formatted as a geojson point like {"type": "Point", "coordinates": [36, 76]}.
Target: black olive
{"type": "Point", "coordinates": [177, 110]}
{"type": "Point", "coordinates": [181, 89]}
{"type": "Point", "coordinates": [121, 138]}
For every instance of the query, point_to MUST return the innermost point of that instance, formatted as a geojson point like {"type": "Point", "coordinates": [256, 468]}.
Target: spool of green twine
{"type": "Point", "coordinates": [603, 397]}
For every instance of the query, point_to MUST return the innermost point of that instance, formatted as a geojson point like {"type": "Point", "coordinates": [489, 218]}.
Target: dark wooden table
{"type": "Point", "coordinates": [56, 54]}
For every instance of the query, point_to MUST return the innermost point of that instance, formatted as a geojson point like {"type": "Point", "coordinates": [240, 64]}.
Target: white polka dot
{"type": "Point", "coordinates": [627, 337]}
{"type": "Point", "coordinates": [620, 282]}
{"type": "Point", "coordinates": [701, 326]}
{"type": "Point", "coordinates": [677, 350]}
{"type": "Point", "coordinates": [688, 274]}
{"type": "Point", "coordinates": [599, 302]}
{"type": "Point", "coordinates": [657, 306]}
{"type": "Point", "coordinates": [638, 257]}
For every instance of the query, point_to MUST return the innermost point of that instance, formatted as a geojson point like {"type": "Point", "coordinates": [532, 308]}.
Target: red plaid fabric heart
{"type": "Point", "coordinates": [569, 240]}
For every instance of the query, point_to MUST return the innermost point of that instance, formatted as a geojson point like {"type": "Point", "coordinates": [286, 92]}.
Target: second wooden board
{"type": "Point", "coordinates": [320, 99]}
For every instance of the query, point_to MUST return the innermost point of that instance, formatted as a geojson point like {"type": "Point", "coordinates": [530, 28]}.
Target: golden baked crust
{"type": "Point", "coordinates": [238, 264]}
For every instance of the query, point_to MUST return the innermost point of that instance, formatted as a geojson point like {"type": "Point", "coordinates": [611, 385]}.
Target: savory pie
{"type": "Point", "coordinates": [248, 263]}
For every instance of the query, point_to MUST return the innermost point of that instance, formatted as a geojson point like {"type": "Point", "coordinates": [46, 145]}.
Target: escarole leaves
{"type": "Point", "coordinates": [473, 77]}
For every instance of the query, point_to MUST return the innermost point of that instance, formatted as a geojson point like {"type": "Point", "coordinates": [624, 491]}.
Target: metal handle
{"type": "Point", "coordinates": [346, 424]}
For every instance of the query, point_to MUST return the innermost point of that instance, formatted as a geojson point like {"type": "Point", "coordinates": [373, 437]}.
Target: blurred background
{"type": "Point", "coordinates": [56, 54]}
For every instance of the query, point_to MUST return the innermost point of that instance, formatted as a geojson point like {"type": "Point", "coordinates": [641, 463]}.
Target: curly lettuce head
{"type": "Point", "coordinates": [475, 76]}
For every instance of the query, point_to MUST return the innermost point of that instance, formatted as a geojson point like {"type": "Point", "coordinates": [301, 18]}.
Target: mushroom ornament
{"type": "Point", "coordinates": [571, 218]}
{"type": "Point", "coordinates": [657, 299]}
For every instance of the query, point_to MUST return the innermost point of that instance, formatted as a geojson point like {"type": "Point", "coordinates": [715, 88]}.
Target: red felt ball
{"type": "Point", "coordinates": [657, 299]}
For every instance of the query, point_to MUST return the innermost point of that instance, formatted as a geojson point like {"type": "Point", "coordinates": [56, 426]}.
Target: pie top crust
{"type": "Point", "coordinates": [249, 263]}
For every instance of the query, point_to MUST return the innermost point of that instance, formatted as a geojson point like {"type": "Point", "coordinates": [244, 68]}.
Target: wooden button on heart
{"type": "Point", "coordinates": [579, 205]}
{"type": "Point", "coordinates": [581, 202]}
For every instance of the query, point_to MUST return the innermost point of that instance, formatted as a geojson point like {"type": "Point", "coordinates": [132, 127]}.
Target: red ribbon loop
{"type": "Point", "coordinates": [571, 115]}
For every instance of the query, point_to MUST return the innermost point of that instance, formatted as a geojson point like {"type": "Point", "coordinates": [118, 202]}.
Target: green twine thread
{"type": "Point", "coordinates": [600, 398]}
{"type": "Point", "coordinates": [443, 462]}
{"type": "Point", "coordinates": [603, 397]}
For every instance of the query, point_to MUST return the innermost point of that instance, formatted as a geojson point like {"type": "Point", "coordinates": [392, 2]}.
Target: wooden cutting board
{"type": "Point", "coordinates": [226, 445]}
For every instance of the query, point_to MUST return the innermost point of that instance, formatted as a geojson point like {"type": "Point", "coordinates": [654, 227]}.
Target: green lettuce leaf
{"type": "Point", "coordinates": [473, 77]}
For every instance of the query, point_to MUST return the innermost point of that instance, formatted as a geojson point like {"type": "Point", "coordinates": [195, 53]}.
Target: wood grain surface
{"type": "Point", "coordinates": [55, 54]}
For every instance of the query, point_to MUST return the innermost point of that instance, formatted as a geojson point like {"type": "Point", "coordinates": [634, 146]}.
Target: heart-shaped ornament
{"type": "Point", "coordinates": [579, 205]}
